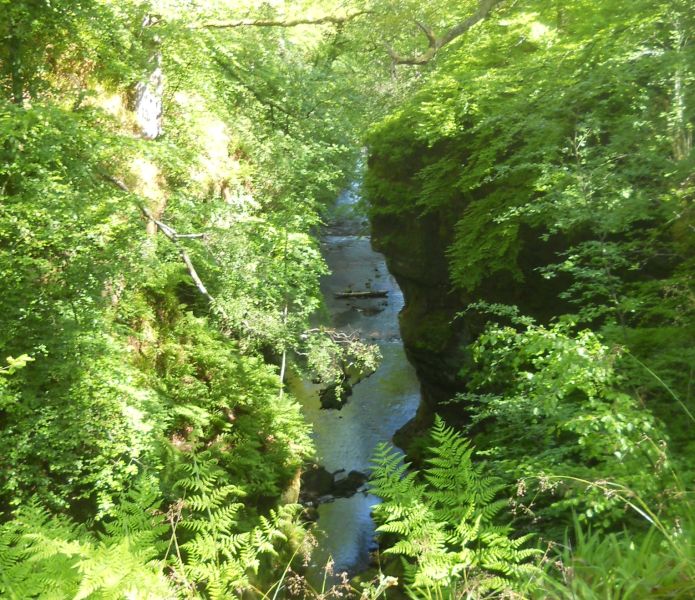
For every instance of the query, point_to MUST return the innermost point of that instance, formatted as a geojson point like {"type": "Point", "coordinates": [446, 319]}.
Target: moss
{"type": "Point", "coordinates": [430, 332]}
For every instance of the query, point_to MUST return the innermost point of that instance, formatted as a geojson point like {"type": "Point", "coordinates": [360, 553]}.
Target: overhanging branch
{"type": "Point", "coordinates": [325, 20]}
{"type": "Point", "coordinates": [174, 237]}
{"type": "Point", "coordinates": [436, 43]}
{"type": "Point", "coordinates": [429, 34]}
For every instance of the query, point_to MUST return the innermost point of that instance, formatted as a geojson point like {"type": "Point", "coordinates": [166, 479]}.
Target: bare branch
{"type": "Point", "coordinates": [338, 337]}
{"type": "Point", "coordinates": [117, 182]}
{"type": "Point", "coordinates": [196, 279]}
{"type": "Point", "coordinates": [170, 233]}
{"type": "Point", "coordinates": [436, 43]}
{"type": "Point", "coordinates": [325, 20]}
{"type": "Point", "coordinates": [429, 34]}
{"type": "Point", "coordinates": [174, 237]}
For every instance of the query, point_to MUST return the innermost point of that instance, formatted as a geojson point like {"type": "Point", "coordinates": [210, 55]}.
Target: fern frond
{"type": "Point", "coordinates": [444, 528]}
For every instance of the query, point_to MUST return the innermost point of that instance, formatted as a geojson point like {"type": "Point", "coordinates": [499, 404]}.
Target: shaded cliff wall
{"type": "Point", "coordinates": [435, 330]}
{"type": "Point", "coordinates": [524, 173]}
{"type": "Point", "coordinates": [415, 253]}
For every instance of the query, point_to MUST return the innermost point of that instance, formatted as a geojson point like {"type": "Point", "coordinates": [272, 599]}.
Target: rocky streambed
{"type": "Point", "coordinates": [378, 406]}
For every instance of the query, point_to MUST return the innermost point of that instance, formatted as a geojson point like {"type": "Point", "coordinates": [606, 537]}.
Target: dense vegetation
{"type": "Point", "coordinates": [145, 401]}
{"type": "Point", "coordinates": [552, 152]}
{"type": "Point", "coordinates": [164, 170]}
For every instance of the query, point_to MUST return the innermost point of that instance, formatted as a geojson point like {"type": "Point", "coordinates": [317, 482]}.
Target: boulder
{"type": "Point", "coordinates": [335, 395]}
{"type": "Point", "coordinates": [316, 482]}
{"type": "Point", "coordinates": [349, 485]}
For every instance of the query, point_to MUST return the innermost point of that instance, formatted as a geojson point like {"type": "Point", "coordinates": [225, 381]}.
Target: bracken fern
{"type": "Point", "coordinates": [443, 521]}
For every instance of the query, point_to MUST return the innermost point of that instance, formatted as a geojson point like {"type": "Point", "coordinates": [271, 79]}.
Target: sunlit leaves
{"type": "Point", "coordinates": [545, 401]}
{"type": "Point", "coordinates": [442, 519]}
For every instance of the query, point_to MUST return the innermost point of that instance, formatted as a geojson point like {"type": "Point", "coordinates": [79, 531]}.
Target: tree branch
{"type": "Point", "coordinates": [174, 237]}
{"type": "Point", "coordinates": [327, 19]}
{"type": "Point", "coordinates": [338, 337]}
{"type": "Point", "coordinates": [429, 34]}
{"type": "Point", "coordinates": [435, 44]}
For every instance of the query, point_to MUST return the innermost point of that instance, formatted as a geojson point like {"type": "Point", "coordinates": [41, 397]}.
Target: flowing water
{"type": "Point", "coordinates": [379, 405]}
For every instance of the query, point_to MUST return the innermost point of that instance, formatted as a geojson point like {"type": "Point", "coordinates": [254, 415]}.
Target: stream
{"type": "Point", "coordinates": [379, 405]}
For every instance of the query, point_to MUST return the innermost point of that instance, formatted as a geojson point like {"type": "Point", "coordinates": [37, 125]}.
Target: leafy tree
{"type": "Point", "coordinates": [54, 47]}
{"type": "Point", "coordinates": [545, 153]}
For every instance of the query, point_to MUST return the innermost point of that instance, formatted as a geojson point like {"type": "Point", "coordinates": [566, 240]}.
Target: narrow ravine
{"type": "Point", "coordinates": [381, 404]}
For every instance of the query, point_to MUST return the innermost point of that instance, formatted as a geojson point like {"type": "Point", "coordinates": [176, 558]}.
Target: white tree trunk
{"type": "Point", "coordinates": [148, 101]}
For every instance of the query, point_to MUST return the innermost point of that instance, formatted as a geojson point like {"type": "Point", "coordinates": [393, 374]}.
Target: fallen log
{"type": "Point", "coordinates": [368, 294]}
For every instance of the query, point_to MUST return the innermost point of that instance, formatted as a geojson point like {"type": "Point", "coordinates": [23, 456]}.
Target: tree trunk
{"type": "Point", "coordinates": [16, 70]}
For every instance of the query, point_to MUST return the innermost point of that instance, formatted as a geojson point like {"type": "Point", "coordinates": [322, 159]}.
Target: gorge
{"type": "Point", "coordinates": [364, 299]}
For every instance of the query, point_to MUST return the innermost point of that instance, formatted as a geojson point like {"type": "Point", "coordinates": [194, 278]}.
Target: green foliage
{"type": "Point", "coordinates": [230, 401]}
{"type": "Point", "coordinates": [45, 556]}
{"type": "Point", "coordinates": [48, 556]}
{"type": "Point", "coordinates": [211, 552]}
{"type": "Point", "coordinates": [337, 359]}
{"type": "Point", "coordinates": [565, 125]}
{"type": "Point", "coordinates": [541, 119]}
{"type": "Point", "coordinates": [216, 558]}
{"type": "Point", "coordinates": [13, 365]}
{"type": "Point", "coordinates": [443, 520]}
{"type": "Point", "coordinates": [552, 153]}
{"type": "Point", "coordinates": [554, 150]}
{"type": "Point", "coordinates": [545, 401]}
{"type": "Point", "coordinates": [127, 352]}
{"type": "Point", "coordinates": [60, 47]}
{"type": "Point", "coordinates": [67, 238]}
{"type": "Point", "coordinates": [619, 566]}
{"type": "Point", "coordinates": [133, 368]}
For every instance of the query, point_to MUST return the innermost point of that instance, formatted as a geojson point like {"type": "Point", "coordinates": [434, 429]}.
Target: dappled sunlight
{"type": "Point", "coordinates": [536, 30]}
{"type": "Point", "coordinates": [148, 181]}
